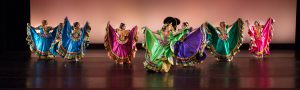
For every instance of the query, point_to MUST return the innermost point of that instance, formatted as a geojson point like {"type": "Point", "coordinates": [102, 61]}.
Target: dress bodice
{"type": "Point", "coordinates": [164, 35]}
{"type": "Point", "coordinates": [44, 30]}
{"type": "Point", "coordinates": [76, 33]}
{"type": "Point", "coordinates": [122, 36]}
{"type": "Point", "coordinates": [257, 33]}
{"type": "Point", "coordinates": [224, 33]}
{"type": "Point", "coordinates": [122, 33]}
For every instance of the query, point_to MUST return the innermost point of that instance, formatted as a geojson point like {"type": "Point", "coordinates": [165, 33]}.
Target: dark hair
{"type": "Point", "coordinates": [44, 21]}
{"type": "Point", "coordinates": [75, 24]}
{"type": "Point", "coordinates": [257, 22]}
{"type": "Point", "coordinates": [185, 23]}
{"type": "Point", "coordinates": [174, 21]}
{"type": "Point", "coordinates": [121, 25]}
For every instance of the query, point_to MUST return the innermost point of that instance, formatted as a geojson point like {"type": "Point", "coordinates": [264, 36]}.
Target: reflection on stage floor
{"type": "Point", "coordinates": [280, 70]}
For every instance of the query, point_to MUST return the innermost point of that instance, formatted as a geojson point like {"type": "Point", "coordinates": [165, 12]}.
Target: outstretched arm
{"type": "Point", "coordinates": [133, 33]}
{"type": "Point", "coordinates": [248, 25]}
{"type": "Point", "coordinates": [66, 30]}
{"type": "Point", "coordinates": [236, 34]}
{"type": "Point", "coordinates": [111, 33]}
{"type": "Point", "coordinates": [32, 35]}
{"type": "Point", "coordinates": [88, 29]}
{"type": "Point", "coordinates": [230, 26]}
{"type": "Point", "coordinates": [212, 34]}
{"type": "Point", "coordinates": [146, 28]}
{"type": "Point", "coordinates": [29, 24]}
{"type": "Point", "coordinates": [36, 27]}
{"type": "Point", "coordinates": [110, 28]}
{"type": "Point", "coordinates": [85, 31]}
{"type": "Point", "coordinates": [31, 28]}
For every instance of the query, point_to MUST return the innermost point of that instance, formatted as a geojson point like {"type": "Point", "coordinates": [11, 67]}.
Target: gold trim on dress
{"type": "Point", "coordinates": [235, 49]}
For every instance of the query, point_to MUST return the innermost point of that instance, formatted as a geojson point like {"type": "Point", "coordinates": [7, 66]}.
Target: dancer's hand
{"type": "Point", "coordinates": [144, 29]}
{"type": "Point", "coordinates": [60, 26]}
{"type": "Point", "coordinates": [66, 18]}
{"type": "Point", "coordinates": [225, 37]}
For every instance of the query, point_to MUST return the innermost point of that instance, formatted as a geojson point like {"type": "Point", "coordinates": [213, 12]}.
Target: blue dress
{"type": "Point", "coordinates": [40, 43]}
{"type": "Point", "coordinates": [72, 43]}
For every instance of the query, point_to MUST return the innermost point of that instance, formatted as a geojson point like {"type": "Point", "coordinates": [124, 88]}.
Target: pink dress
{"type": "Point", "coordinates": [120, 48]}
{"type": "Point", "coordinates": [259, 44]}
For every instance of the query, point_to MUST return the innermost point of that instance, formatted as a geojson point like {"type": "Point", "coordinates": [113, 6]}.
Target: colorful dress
{"type": "Point", "coordinates": [121, 45]}
{"type": "Point", "coordinates": [40, 43]}
{"type": "Point", "coordinates": [73, 43]}
{"type": "Point", "coordinates": [159, 55]}
{"type": "Point", "coordinates": [190, 49]}
{"type": "Point", "coordinates": [259, 43]}
{"type": "Point", "coordinates": [225, 49]}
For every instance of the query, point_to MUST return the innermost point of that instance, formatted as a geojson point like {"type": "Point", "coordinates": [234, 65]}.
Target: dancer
{"type": "Point", "coordinates": [120, 43]}
{"type": "Point", "coordinates": [224, 41]}
{"type": "Point", "coordinates": [39, 43]}
{"type": "Point", "coordinates": [74, 41]}
{"type": "Point", "coordinates": [261, 36]}
{"type": "Point", "coordinates": [159, 56]}
{"type": "Point", "coordinates": [190, 49]}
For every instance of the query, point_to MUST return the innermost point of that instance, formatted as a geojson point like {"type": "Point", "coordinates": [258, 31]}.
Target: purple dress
{"type": "Point", "coordinates": [190, 49]}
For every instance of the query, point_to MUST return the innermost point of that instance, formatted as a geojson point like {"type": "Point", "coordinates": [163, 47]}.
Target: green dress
{"type": "Point", "coordinates": [225, 49]}
{"type": "Point", "coordinates": [159, 57]}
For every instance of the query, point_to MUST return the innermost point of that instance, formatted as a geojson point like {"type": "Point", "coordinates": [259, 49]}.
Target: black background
{"type": "Point", "coordinates": [14, 16]}
{"type": "Point", "coordinates": [297, 33]}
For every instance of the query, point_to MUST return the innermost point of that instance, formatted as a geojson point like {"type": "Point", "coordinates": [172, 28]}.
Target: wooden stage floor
{"type": "Point", "coordinates": [280, 70]}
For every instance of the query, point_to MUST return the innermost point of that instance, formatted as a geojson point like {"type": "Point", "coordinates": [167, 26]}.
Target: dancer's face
{"type": "Point", "coordinates": [256, 23]}
{"type": "Point", "coordinates": [185, 25]}
{"type": "Point", "coordinates": [44, 22]}
{"type": "Point", "coordinates": [169, 27]}
{"type": "Point", "coordinates": [77, 25]}
{"type": "Point", "coordinates": [123, 27]}
{"type": "Point", "coordinates": [222, 24]}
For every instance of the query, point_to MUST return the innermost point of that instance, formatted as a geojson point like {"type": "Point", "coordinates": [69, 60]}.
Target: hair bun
{"type": "Point", "coordinates": [169, 20]}
{"type": "Point", "coordinates": [174, 21]}
{"type": "Point", "coordinates": [122, 24]}
{"type": "Point", "coordinates": [177, 21]}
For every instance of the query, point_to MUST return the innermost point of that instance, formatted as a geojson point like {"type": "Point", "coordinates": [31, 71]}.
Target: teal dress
{"type": "Point", "coordinates": [73, 43]}
{"type": "Point", "coordinates": [40, 43]}
{"type": "Point", "coordinates": [227, 48]}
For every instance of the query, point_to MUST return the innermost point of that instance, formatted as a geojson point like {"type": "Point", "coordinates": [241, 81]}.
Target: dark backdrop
{"type": "Point", "coordinates": [14, 16]}
{"type": "Point", "coordinates": [297, 33]}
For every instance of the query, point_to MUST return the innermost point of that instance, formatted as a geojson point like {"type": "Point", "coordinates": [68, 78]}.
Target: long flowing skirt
{"type": "Point", "coordinates": [259, 45]}
{"type": "Point", "coordinates": [40, 43]}
{"type": "Point", "coordinates": [225, 49]}
{"type": "Point", "coordinates": [120, 51]}
{"type": "Point", "coordinates": [159, 57]}
{"type": "Point", "coordinates": [190, 50]}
